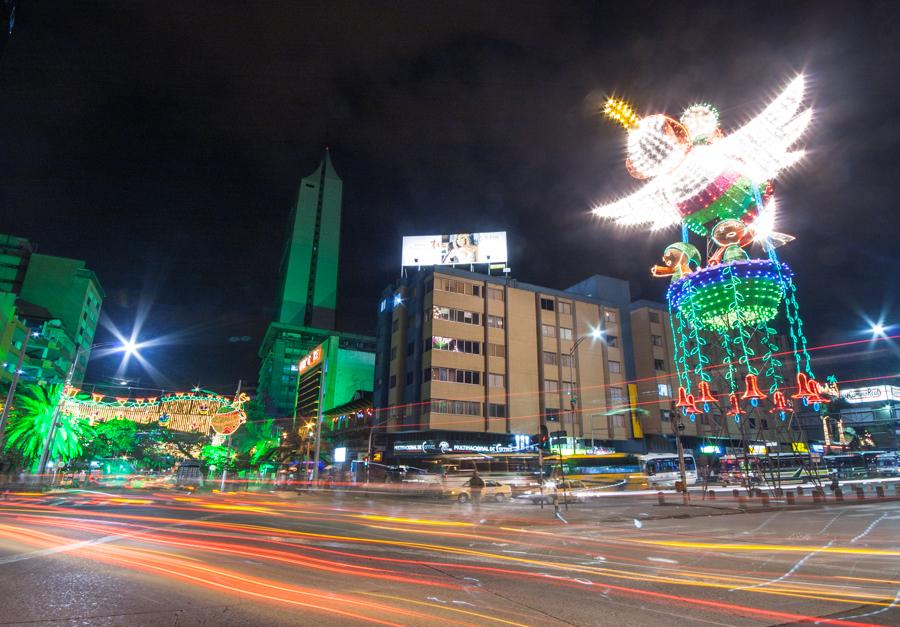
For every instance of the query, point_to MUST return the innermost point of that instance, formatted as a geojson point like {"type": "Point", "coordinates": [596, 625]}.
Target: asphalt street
{"type": "Point", "coordinates": [166, 558]}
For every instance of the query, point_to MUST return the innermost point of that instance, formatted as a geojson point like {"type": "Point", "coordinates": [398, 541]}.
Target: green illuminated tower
{"type": "Point", "coordinates": [309, 273]}
{"type": "Point", "coordinates": [309, 268]}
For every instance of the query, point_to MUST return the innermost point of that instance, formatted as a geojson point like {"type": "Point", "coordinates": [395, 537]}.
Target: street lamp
{"type": "Point", "coordinates": [595, 334]}
{"type": "Point", "coordinates": [129, 347]}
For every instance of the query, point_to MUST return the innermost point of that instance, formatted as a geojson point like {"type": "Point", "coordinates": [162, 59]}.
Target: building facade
{"type": "Point", "coordinates": [72, 294]}
{"type": "Point", "coordinates": [309, 270]}
{"type": "Point", "coordinates": [469, 360]}
{"type": "Point", "coordinates": [55, 301]}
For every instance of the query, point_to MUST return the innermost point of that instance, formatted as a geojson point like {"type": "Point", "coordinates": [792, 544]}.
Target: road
{"type": "Point", "coordinates": [166, 558]}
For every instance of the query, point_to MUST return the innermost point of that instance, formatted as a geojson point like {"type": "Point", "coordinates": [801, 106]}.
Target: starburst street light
{"type": "Point", "coordinates": [878, 330]}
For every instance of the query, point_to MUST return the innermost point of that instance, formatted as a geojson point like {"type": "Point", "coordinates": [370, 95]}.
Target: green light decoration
{"type": "Point", "coordinates": [742, 200]}
{"type": "Point", "coordinates": [773, 365]}
{"type": "Point", "coordinates": [679, 343]}
{"type": "Point", "coordinates": [708, 296]}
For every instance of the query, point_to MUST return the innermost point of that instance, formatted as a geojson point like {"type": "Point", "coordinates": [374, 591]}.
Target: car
{"type": "Point", "coordinates": [493, 490]}
{"type": "Point", "coordinates": [570, 489]}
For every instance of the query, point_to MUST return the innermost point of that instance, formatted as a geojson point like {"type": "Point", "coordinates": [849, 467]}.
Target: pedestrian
{"type": "Point", "coordinates": [476, 485]}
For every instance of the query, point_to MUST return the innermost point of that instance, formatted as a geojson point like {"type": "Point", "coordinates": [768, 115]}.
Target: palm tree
{"type": "Point", "coordinates": [30, 423]}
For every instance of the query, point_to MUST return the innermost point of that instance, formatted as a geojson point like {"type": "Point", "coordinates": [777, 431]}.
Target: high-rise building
{"type": "Point", "coordinates": [72, 294]}
{"type": "Point", "coordinates": [469, 362]}
{"type": "Point", "coordinates": [309, 271]}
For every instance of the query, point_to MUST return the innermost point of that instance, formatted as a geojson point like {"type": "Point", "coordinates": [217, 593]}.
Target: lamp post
{"type": "Point", "coordinates": [51, 433]}
{"type": "Point", "coordinates": [573, 399]}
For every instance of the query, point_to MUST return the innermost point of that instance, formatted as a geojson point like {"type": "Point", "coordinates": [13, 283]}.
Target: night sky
{"type": "Point", "coordinates": [164, 143]}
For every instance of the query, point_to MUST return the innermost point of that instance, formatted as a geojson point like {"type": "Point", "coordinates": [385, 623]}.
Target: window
{"type": "Point", "coordinates": [663, 390]}
{"type": "Point", "coordinates": [439, 343]}
{"type": "Point", "coordinates": [565, 334]}
{"type": "Point", "coordinates": [615, 395]}
{"type": "Point", "coordinates": [752, 423]}
{"type": "Point", "coordinates": [656, 340]}
{"type": "Point", "coordinates": [393, 381]}
{"type": "Point", "coordinates": [429, 286]}
{"type": "Point", "coordinates": [456, 375]}
{"type": "Point", "coordinates": [496, 410]}
{"type": "Point", "coordinates": [409, 378]}
{"type": "Point", "coordinates": [494, 294]}
{"type": "Point", "coordinates": [765, 423]}
{"type": "Point", "coordinates": [564, 307]}
{"type": "Point", "coordinates": [426, 345]}
{"type": "Point", "coordinates": [610, 316]}
{"type": "Point", "coordinates": [495, 322]}
{"type": "Point", "coordinates": [566, 361]}
{"type": "Point", "coordinates": [612, 341]}
{"type": "Point", "coordinates": [456, 315]}
{"type": "Point", "coordinates": [395, 324]}
{"type": "Point", "coordinates": [548, 330]}
{"type": "Point", "coordinates": [617, 422]}
{"type": "Point", "coordinates": [615, 366]}
{"type": "Point", "coordinates": [458, 287]}
{"type": "Point", "coordinates": [496, 350]}
{"type": "Point", "coordinates": [550, 358]}
{"type": "Point", "coordinates": [410, 322]}
{"type": "Point", "coordinates": [496, 380]}
{"type": "Point", "coordinates": [659, 364]}
{"type": "Point", "coordinates": [567, 388]}
{"type": "Point", "coordinates": [665, 415]}
{"type": "Point", "coordinates": [547, 304]}
{"type": "Point", "coordinates": [552, 414]}
{"type": "Point", "coordinates": [551, 386]}
{"type": "Point", "coordinates": [393, 353]}
{"type": "Point", "coordinates": [654, 317]}
{"type": "Point", "coordinates": [466, 408]}
{"type": "Point", "coordinates": [410, 348]}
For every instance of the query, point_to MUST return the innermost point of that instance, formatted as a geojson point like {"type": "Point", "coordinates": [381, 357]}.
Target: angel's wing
{"type": "Point", "coordinates": [762, 144]}
{"type": "Point", "coordinates": [648, 205]}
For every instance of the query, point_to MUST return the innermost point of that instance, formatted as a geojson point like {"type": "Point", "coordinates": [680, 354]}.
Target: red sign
{"type": "Point", "coordinates": [314, 357]}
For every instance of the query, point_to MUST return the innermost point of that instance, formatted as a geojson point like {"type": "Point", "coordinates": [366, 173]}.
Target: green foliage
{"type": "Point", "coordinates": [256, 440]}
{"type": "Point", "coordinates": [29, 426]}
{"type": "Point", "coordinates": [216, 456]}
{"type": "Point", "coordinates": [113, 438]}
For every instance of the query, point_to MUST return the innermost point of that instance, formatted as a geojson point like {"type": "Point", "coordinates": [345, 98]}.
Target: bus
{"type": "Point", "coordinates": [622, 470]}
{"type": "Point", "coordinates": [662, 469]}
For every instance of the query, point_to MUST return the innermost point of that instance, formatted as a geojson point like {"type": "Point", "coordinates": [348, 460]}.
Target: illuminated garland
{"type": "Point", "coordinates": [708, 297]}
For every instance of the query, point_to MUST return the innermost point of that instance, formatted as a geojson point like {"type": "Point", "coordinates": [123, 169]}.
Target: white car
{"type": "Point", "coordinates": [492, 490]}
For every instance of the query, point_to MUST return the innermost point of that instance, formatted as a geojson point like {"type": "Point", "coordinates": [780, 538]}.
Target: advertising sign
{"type": "Point", "coordinates": [871, 394]}
{"type": "Point", "coordinates": [314, 357]}
{"type": "Point", "coordinates": [456, 248]}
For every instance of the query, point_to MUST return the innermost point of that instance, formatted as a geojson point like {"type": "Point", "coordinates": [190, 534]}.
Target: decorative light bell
{"type": "Point", "coordinates": [751, 390]}
{"type": "Point", "coordinates": [705, 395]}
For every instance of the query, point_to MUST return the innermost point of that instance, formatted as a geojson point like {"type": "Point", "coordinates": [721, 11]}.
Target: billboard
{"type": "Point", "coordinates": [873, 394]}
{"type": "Point", "coordinates": [456, 248]}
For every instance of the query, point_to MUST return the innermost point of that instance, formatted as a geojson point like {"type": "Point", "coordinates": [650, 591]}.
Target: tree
{"type": "Point", "coordinates": [113, 438]}
{"type": "Point", "coordinates": [256, 440]}
{"type": "Point", "coordinates": [29, 426]}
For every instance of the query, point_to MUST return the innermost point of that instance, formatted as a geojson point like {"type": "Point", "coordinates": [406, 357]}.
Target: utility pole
{"type": "Point", "coordinates": [677, 427]}
{"type": "Point", "coordinates": [228, 449]}
{"type": "Point", "coordinates": [10, 396]}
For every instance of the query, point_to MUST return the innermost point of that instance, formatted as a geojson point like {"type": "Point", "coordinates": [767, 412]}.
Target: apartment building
{"type": "Point", "coordinates": [470, 362]}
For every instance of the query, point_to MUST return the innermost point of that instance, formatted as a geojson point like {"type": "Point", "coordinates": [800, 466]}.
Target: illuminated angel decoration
{"type": "Point", "coordinates": [697, 175]}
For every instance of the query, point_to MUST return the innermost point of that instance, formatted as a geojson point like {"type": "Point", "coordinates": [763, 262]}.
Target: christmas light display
{"type": "Point", "coordinates": [196, 411]}
{"type": "Point", "coordinates": [693, 168]}
{"type": "Point", "coordinates": [728, 314]}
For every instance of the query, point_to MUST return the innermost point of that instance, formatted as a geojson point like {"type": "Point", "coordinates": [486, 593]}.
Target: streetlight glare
{"type": "Point", "coordinates": [130, 347]}
{"type": "Point", "coordinates": [878, 329]}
